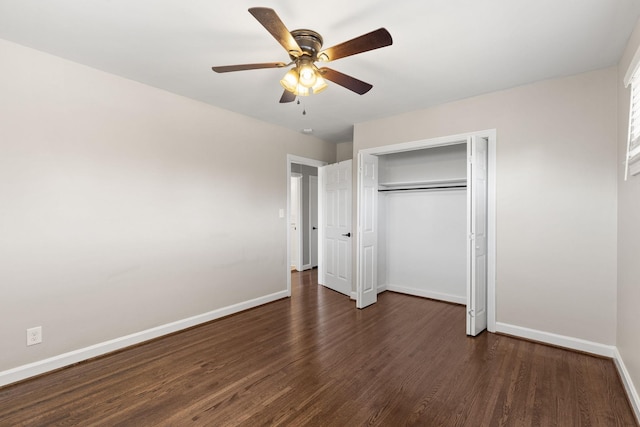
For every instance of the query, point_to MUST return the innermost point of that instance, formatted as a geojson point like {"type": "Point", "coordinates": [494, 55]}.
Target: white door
{"type": "Point", "coordinates": [294, 223]}
{"type": "Point", "coordinates": [313, 221]}
{"type": "Point", "coordinates": [336, 218]}
{"type": "Point", "coordinates": [477, 231]}
{"type": "Point", "coordinates": [367, 287]}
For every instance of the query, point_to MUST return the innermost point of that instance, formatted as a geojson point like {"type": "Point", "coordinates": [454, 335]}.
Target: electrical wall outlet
{"type": "Point", "coordinates": [34, 335]}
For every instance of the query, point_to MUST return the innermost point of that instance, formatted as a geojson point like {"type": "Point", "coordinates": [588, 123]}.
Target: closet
{"type": "Point", "coordinates": [422, 214]}
{"type": "Point", "coordinates": [422, 223]}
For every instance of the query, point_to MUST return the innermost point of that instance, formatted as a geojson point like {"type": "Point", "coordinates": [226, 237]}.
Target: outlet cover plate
{"type": "Point", "coordinates": [34, 335]}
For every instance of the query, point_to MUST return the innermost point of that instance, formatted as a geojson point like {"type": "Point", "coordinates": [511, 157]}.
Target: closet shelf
{"type": "Point", "coordinates": [411, 185]}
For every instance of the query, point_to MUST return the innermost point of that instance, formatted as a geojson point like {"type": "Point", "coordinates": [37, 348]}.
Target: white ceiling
{"type": "Point", "coordinates": [442, 50]}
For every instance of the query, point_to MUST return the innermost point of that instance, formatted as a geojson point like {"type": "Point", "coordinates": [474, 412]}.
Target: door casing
{"type": "Point", "coordinates": [293, 159]}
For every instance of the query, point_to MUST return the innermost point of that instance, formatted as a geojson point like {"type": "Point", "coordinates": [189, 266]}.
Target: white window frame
{"type": "Point", "coordinates": [632, 156]}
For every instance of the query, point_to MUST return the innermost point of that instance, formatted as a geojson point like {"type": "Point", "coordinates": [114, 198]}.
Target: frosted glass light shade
{"type": "Point", "coordinates": [303, 80]}
{"type": "Point", "coordinates": [301, 91]}
{"type": "Point", "coordinates": [319, 85]}
{"type": "Point", "coordinates": [307, 75]}
{"type": "Point", "coordinates": [290, 80]}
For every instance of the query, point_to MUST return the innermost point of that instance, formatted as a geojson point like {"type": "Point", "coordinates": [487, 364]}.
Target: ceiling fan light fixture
{"type": "Point", "coordinates": [319, 85]}
{"type": "Point", "coordinates": [304, 49]}
{"type": "Point", "coordinates": [303, 80]}
{"type": "Point", "coordinates": [301, 91]}
{"type": "Point", "coordinates": [290, 80]}
{"type": "Point", "coordinates": [307, 73]}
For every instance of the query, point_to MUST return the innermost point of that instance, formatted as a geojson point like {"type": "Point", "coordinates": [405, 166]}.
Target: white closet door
{"type": "Point", "coordinates": [367, 287]}
{"type": "Point", "coordinates": [477, 228]}
{"type": "Point", "coordinates": [336, 204]}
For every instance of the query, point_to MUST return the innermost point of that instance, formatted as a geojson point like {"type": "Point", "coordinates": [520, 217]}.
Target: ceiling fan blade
{"type": "Point", "coordinates": [351, 83]}
{"type": "Point", "coordinates": [287, 97]}
{"type": "Point", "coordinates": [229, 68]}
{"type": "Point", "coordinates": [366, 42]}
{"type": "Point", "coordinates": [271, 21]}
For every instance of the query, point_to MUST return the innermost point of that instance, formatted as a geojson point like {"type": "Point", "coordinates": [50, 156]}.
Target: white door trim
{"type": "Point", "coordinates": [491, 136]}
{"type": "Point", "coordinates": [293, 159]}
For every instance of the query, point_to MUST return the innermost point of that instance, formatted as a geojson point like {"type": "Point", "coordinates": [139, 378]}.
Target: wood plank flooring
{"type": "Point", "coordinates": [314, 359]}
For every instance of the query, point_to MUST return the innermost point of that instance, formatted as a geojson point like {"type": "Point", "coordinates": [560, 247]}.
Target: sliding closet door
{"type": "Point", "coordinates": [367, 287]}
{"type": "Point", "coordinates": [477, 230]}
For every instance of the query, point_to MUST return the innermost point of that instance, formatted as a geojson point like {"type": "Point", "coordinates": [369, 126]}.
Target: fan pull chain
{"type": "Point", "coordinates": [304, 108]}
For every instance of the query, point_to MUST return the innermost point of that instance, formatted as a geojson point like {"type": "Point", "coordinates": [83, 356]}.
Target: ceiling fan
{"type": "Point", "coordinates": [304, 49]}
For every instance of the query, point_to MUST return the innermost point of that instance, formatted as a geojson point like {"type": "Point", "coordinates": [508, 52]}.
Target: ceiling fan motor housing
{"type": "Point", "coordinates": [309, 41]}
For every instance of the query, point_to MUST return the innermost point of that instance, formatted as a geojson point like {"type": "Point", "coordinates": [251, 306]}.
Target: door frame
{"type": "Point", "coordinates": [293, 159]}
{"type": "Point", "coordinates": [490, 135]}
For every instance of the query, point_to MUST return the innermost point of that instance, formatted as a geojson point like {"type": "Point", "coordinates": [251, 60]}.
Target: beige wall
{"type": "Point", "coordinates": [125, 207]}
{"type": "Point", "coordinates": [556, 196]}
{"type": "Point", "coordinates": [344, 151]}
{"type": "Point", "coordinates": [628, 339]}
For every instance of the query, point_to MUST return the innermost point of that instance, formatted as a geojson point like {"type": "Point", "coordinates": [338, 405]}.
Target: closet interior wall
{"type": "Point", "coordinates": [422, 212]}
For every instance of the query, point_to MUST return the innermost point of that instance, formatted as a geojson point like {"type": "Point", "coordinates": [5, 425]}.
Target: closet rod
{"type": "Point", "coordinates": [445, 187]}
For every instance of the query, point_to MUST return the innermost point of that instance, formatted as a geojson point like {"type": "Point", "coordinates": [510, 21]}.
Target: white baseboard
{"type": "Point", "coordinates": [557, 340]}
{"type": "Point", "coordinates": [428, 294]}
{"type": "Point", "coordinates": [37, 368]}
{"type": "Point", "coordinates": [354, 296]}
{"type": "Point", "coordinates": [629, 387]}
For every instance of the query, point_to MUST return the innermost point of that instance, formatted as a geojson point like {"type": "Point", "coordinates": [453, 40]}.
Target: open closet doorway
{"type": "Point", "coordinates": [303, 207]}
{"type": "Point", "coordinates": [426, 223]}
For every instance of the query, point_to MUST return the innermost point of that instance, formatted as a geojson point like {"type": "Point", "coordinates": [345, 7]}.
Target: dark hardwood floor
{"type": "Point", "coordinates": [314, 359]}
